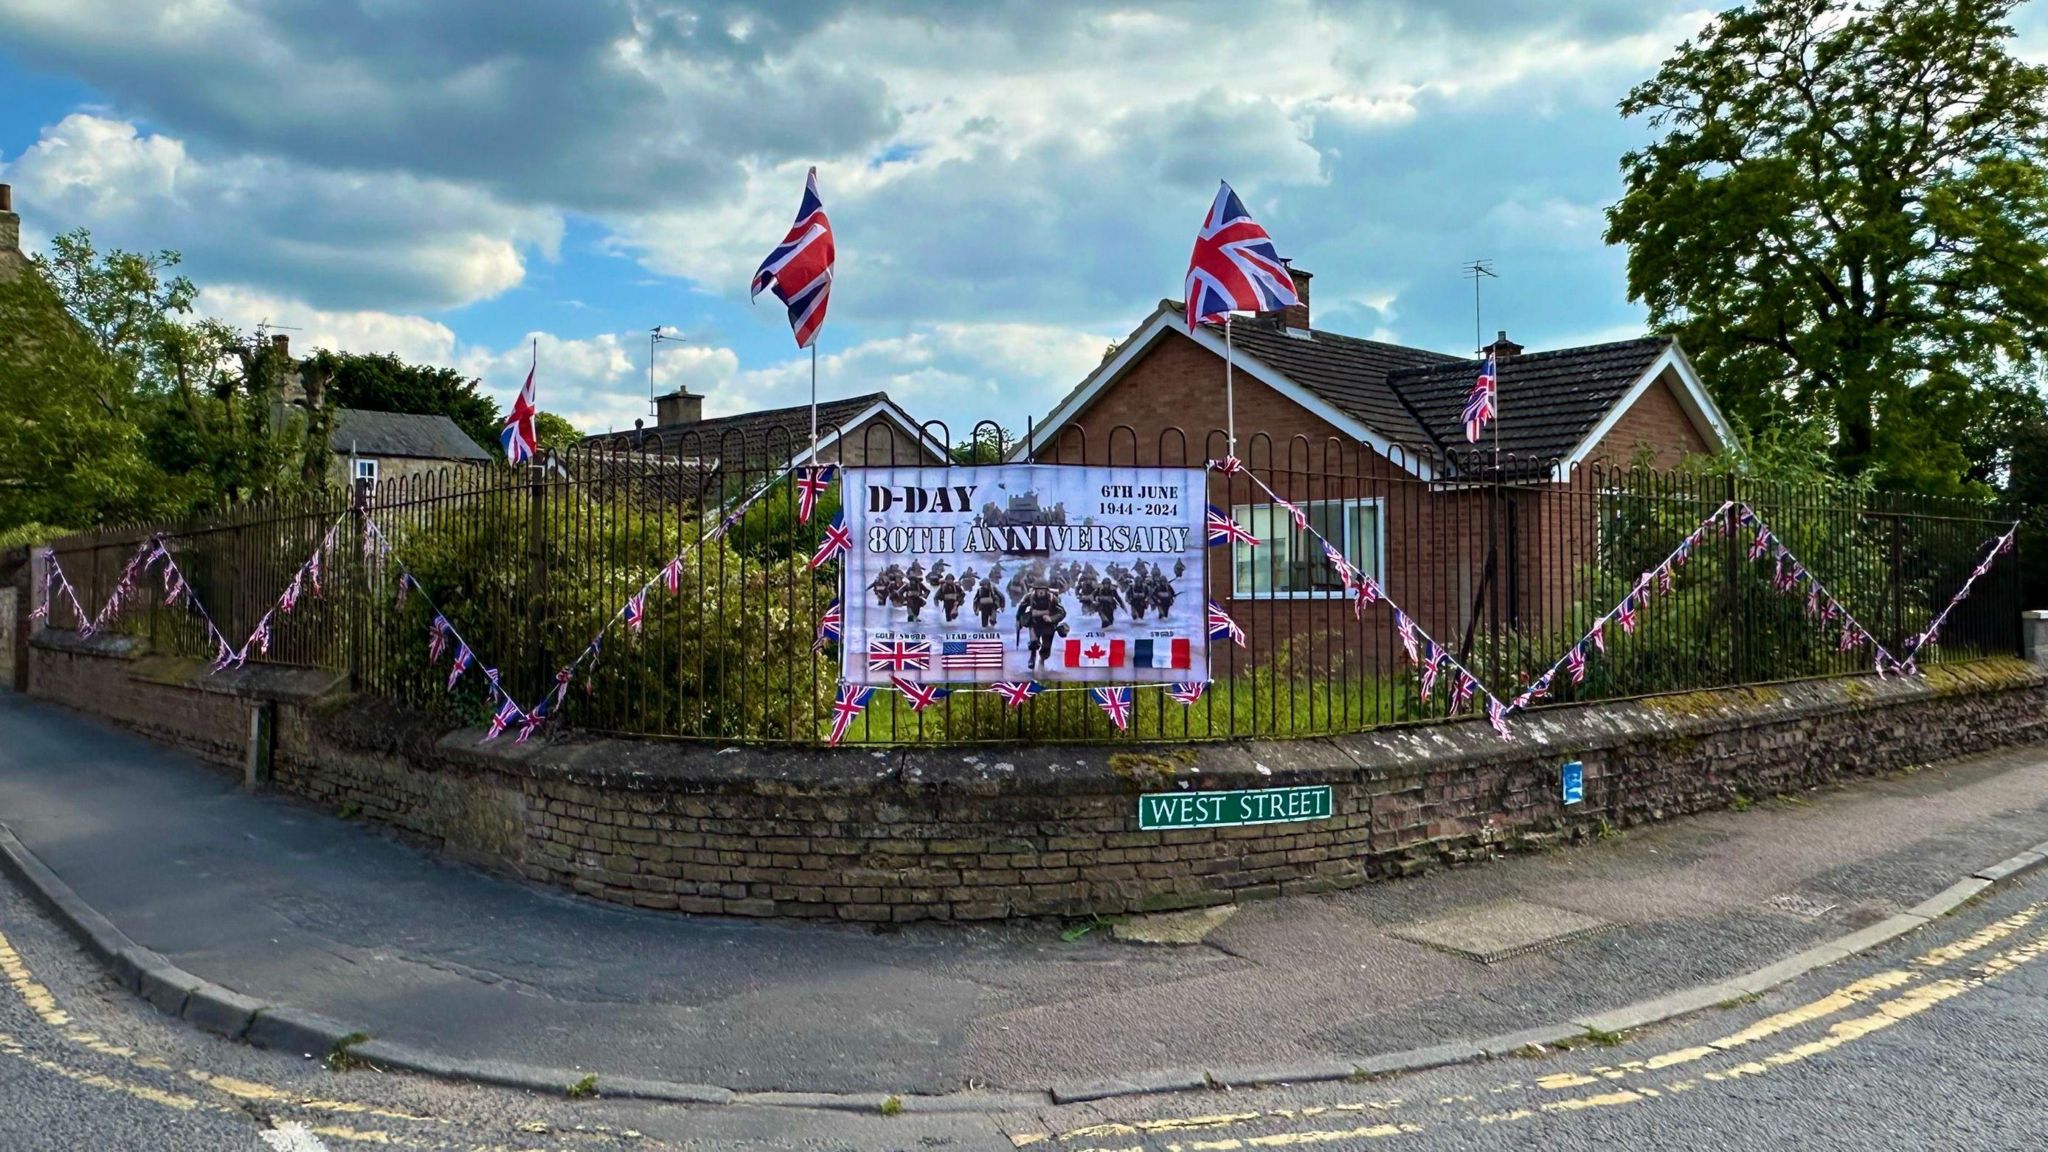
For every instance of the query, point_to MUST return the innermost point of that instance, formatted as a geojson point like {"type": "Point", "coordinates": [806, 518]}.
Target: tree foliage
{"type": "Point", "coordinates": [1845, 222]}
{"type": "Point", "coordinates": [555, 433]}
{"type": "Point", "coordinates": [381, 382]}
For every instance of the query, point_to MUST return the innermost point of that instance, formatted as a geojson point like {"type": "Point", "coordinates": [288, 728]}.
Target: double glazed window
{"type": "Point", "coordinates": [1289, 563]}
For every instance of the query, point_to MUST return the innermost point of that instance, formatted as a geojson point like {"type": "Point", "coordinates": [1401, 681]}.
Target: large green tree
{"type": "Point", "coordinates": [1844, 218]}
{"type": "Point", "coordinates": [381, 382]}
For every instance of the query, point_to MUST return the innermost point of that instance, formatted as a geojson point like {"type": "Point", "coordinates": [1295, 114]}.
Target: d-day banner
{"type": "Point", "coordinates": [1044, 572]}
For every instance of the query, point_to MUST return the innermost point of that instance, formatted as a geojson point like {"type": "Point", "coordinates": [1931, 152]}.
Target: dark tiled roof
{"type": "Point", "coordinates": [1548, 400]}
{"type": "Point", "coordinates": [773, 435]}
{"type": "Point", "coordinates": [433, 437]}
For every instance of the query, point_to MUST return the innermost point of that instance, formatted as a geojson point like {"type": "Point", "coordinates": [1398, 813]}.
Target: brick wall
{"type": "Point", "coordinates": [987, 832]}
{"type": "Point", "coordinates": [1654, 424]}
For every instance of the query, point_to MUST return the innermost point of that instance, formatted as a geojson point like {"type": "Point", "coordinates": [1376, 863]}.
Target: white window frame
{"type": "Point", "coordinates": [1241, 513]}
{"type": "Point", "coordinates": [364, 468]}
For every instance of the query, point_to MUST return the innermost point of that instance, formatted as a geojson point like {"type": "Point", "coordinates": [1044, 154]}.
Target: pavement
{"type": "Point", "coordinates": [296, 908]}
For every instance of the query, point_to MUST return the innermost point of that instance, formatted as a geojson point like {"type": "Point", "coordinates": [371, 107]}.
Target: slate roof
{"type": "Point", "coordinates": [771, 435]}
{"type": "Point", "coordinates": [1548, 400]}
{"type": "Point", "coordinates": [423, 437]}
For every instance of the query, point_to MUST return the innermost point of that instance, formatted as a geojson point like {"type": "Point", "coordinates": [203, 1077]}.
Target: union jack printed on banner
{"type": "Point", "coordinates": [517, 437]}
{"type": "Point", "coordinates": [461, 664]}
{"type": "Point", "coordinates": [1406, 627]}
{"type": "Point", "coordinates": [1463, 685]}
{"type": "Point", "coordinates": [1222, 627]}
{"type": "Point", "coordinates": [1482, 405]}
{"type": "Point", "coordinates": [892, 656]}
{"type": "Point", "coordinates": [437, 639]}
{"type": "Point", "coordinates": [1234, 267]}
{"type": "Point", "coordinates": [1016, 693]}
{"type": "Point", "coordinates": [1575, 663]}
{"type": "Point", "coordinates": [829, 626]}
{"type": "Point", "coordinates": [799, 270]}
{"type": "Point", "coordinates": [1224, 530]}
{"type": "Point", "coordinates": [847, 707]}
{"type": "Point", "coordinates": [811, 483]}
{"type": "Point", "coordinates": [837, 542]}
{"type": "Point", "coordinates": [1189, 691]}
{"type": "Point", "coordinates": [508, 713]}
{"type": "Point", "coordinates": [1115, 704]}
{"type": "Point", "coordinates": [672, 576]}
{"type": "Point", "coordinates": [921, 696]}
{"type": "Point", "coordinates": [636, 611]}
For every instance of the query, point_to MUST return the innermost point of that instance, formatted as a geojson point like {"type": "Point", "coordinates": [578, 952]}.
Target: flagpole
{"type": "Point", "coordinates": [814, 400]}
{"type": "Point", "coordinates": [1229, 388]}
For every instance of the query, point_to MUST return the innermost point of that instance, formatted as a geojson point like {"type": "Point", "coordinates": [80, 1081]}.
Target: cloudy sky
{"type": "Point", "coordinates": [1012, 184]}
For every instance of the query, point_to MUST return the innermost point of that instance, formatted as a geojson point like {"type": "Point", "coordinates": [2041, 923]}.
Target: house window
{"type": "Point", "coordinates": [366, 470]}
{"type": "Point", "coordinates": [1289, 563]}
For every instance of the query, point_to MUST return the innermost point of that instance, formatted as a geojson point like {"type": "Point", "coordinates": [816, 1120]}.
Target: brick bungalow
{"type": "Point", "coordinates": [1367, 436]}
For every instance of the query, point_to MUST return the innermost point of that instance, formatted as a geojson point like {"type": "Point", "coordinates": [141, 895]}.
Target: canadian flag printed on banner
{"type": "Point", "coordinates": [1095, 652]}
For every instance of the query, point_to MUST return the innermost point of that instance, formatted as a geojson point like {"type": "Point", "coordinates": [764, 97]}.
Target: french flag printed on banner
{"type": "Point", "coordinates": [1234, 267]}
{"type": "Point", "coordinates": [1173, 652]}
{"type": "Point", "coordinates": [799, 270]}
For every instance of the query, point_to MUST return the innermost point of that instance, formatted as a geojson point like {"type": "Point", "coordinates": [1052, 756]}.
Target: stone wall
{"type": "Point", "coordinates": [908, 834]}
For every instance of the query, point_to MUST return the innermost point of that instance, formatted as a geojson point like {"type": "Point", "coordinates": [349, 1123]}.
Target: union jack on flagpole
{"type": "Point", "coordinates": [799, 272]}
{"type": "Point", "coordinates": [1484, 402]}
{"type": "Point", "coordinates": [518, 438]}
{"type": "Point", "coordinates": [1234, 268]}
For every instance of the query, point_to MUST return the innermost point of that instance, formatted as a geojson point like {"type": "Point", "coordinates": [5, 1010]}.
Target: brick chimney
{"type": "Point", "coordinates": [678, 409]}
{"type": "Point", "coordinates": [1501, 348]}
{"type": "Point", "coordinates": [10, 223]}
{"type": "Point", "coordinates": [281, 344]}
{"type": "Point", "coordinates": [1294, 316]}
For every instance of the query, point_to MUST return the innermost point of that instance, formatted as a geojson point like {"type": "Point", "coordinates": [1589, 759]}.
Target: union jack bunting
{"type": "Point", "coordinates": [1684, 552]}
{"type": "Point", "coordinates": [672, 576]}
{"type": "Point", "coordinates": [1430, 667]}
{"type": "Point", "coordinates": [1600, 635]}
{"type": "Point", "coordinates": [1346, 574]}
{"type": "Point", "coordinates": [1188, 691]}
{"type": "Point", "coordinates": [2005, 545]}
{"type": "Point", "coordinates": [1406, 628]}
{"type": "Point", "coordinates": [1366, 595]}
{"type": "Point", "coordinates": [921, 696]}
{"type": "Point", "coordinates": [1115, 704]}
{"type": "Point", "coordinates": [508, 713]}
{"type": "Point", "coordinates": [1626, 614]}
{"type": "Point", "coordinates": [1462, 687]}
{"type": "Point", "coordinates": [811, 483]}
{"type": "Point", "coordinates": [1483, 403]}
{"type": "Point", "coordinates": [1224, 530]}
{"type": "Point", "coordinates": [1497, 715]}
{"type": "Point", "coordinates": [636, 611]}
{"type": "Point", "coordinates": [1575, 663]}
{"type": "Point", "coordinates": [224, 657]}
{"type": "Point", "coordinates": [851, 702]}
{"type": "Point", "coordinates": [1234, 267]}
{"type": "Point", "coordinates": [313, 571]}
{"type": "Point", "coordinates": [1536, 691]}
{"type": "Point", "coordinates": [437, 639]}
{"type": "Point", "coordinates": [534, 719]}
{"type": "Point", "coordinates": [461, 664]}
{"type": "Point", "coordinates": [1761, 544]}
{"type": "Point", "coordinates": [799, 270]}
{"type": "Point", "coordinates": [1851, 639]}
{"type": "Point", "coordinates": [838, 541]}
{"type": "Point", "coordinates": [517, 437]}
{"type": "Point", "coordinates": [1016, 693]}
{"type": "Point", "coordinates": [1665, 580]}
{"type": "Point", "coordinates": [404, 586]}
{"type": "Point", "coordinates": [1229, 465]}
{"type": "Point", "coordinates": [1222, 627]}
{"type": "Point", "coordinates": [1813, 599]}
{"type": "Point", "coordinates": [1294, 512]}
{"type": "Point", "coordinates": [260, 638]}
{"type": "Point", "coordinates": [829, 626]}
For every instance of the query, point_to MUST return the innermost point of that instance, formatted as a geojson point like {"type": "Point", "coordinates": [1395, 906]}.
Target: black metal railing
{"type": "Point", "coordinates": [1505, 563]}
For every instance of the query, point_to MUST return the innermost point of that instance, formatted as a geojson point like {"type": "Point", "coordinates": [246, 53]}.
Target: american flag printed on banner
{"type": "Point", "coordinates": [829, 626]}
{"type": "Point", "coordinates": [636, 611]}
{"type": "Point", "coordinates": [837, 542]}
{"type": "Point", "coordinates": [921, 696]}
{"type": "Point", "coordinates": [1224, 530]}
{"type": "Point", "coordinates": [1115, 704]}
{"type": "Point", "coordinates": [1189, 691]}
{"type": "Point", "coordinates": [966, 655]}
{"type": "Point", "coordinates": [461, 664]}
{"type": "Point", "coordinates": [1575, 663]}
{"type": "Point", "coordinates": [811, 483]}
{"type": "Point", "coordinates": [508, 713]}
{"type": "Point", "coordinates": [1016, 693]}
{"type": "Point", "coordinates": [912, 655]}
{"type": "Point", "coordinates": [799, 270]}
{"type": "Point", "coordinates": [1484, 401]}
{"type": "Point", "coordinates": [518, 438]}
{"type": "Point", "coordinates": [847, 707]}
{"type": "Point", "coordinates": [1222, 627]}
{"type": "Point", "coordinates": [1234, 267]}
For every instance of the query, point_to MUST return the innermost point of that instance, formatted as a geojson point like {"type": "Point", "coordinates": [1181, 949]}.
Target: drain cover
{"type": "Point", "coordinates": [1491, 933]}
{"type": "Point", "coordinates": [1799, 905]}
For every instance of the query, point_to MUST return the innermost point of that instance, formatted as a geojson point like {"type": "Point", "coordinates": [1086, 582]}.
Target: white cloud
{"type": "Point", "coordinates": [413, 338]}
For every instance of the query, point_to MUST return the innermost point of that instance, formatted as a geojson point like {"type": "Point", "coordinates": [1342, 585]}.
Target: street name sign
{"type": "Point", "coordinates": [1166, 810]}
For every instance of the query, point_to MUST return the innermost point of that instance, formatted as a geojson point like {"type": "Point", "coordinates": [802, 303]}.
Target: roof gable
{"type": "Point", "coordinates": [772, 434]}
{"type": "Point", "coordinates": [1548, 400]}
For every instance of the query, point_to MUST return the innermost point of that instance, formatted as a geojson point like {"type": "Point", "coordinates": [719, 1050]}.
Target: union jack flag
{"type": "Point", "coordinates": [1234, 267]}
{"type": "Point", "coordinates": [535, 719]}
{"type": "Point", "coordinates": [1664, 580]}
{"type": "Point", "coordinates": [1483, 403]}
{"type": "Point", "coordinates": [829, 626]}
{"type": "Point", "coordinates": [224, 658]}
{"type": "Point", "coordinates": [1536, 691]}
{"type": "Point", "coordinates": [921, 696]}
{"type": "Point", "coordinates": [1346, 573]}
{"type": "Point", "coordinates": [851, 702]}
{"type": "Point", "coordinates": [508, 713]}
{"type": "Point", "coordinates": [1115, 703]}
{"type": "Point", "coordinates": [260, 638]}
{"type": "Point", "coordinates": [1851, 638]}
{"type": "Point", "coordinates": [811, 483]}
{"type": "Point", "coordinates": [313, 570]}
{"type": "Point", "coordinates": [2005, 545]}
{"type": "Point", "coordinates": [1406, 628]}
{"type": "Point", "coordinates": [461, 665]}
{"type": "Point", "coordinates": [1575, 663]}
{"type": "Point", "coordinates": [518, 437]}
{"type": "Point", "coordinates": [1497, 715]}
{"type": "Point", "coordinates": [838, 541]}
{"type": "Point", "coordinates": [288, 601]}
{"type": "Point", "coordinates": [1222, 627]}
{"type": "Point", "coordinates": [636, 610]}
{"type": "Point", "coordinates": [437, 639]}
{"type": "Point", "coordinates": [404, 586]}
{"type": "Point", "coordinates": [1761, 544]}
{"type": "Point", "coordinates": [1813, 599]}
{"type": "Point", "coordinates": [1016, 693]}
{"type": "Point", "coordinates": [1229, 465]}
{"type": "Point", "coordinates": [1684, 552]}
{"type": "Point", "coordinates": [1600, 635]}
{"type": "Point", "coordinates": [799, 270]}
{"type": "Point", "coordinates": [1294, 512]}
{"type": "Point", "coordinates": [1626, 614]}
{"type": "Point", "coordinates": [1189, 691]}
{"type": "Point", "coordinates": [1368, 594]}
{"type": "Point", "coordinates": [1224, 530]}
{"type": "Point", "coordinates": [672, 576]}
{"type": "Point", "coordinates": [900, 655]}
{"type": "Point", "coordinates": [1430, 667]}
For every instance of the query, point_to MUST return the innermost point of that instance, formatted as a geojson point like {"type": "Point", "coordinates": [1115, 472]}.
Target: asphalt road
{"type": "Point", "coordinates": [1935, 1040]}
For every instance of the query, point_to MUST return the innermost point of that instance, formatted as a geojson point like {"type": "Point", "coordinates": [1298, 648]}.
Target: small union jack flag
{"type": "Point", "coordinates": [404, 586]}
{"type": "Point", "coordinates": [260, 638]}
{"type": "Point", "coordinates": [1761, 544]}
{"type": "Point", "coordinates": [1483, 403]}
{"type": "Point", "coordinates": [1684, 552]}
{"type": "Point", "coordinates": [1189, 691]}
{"type": "Point", "coordinates": [838, 541]}
{"type": "Point", "coordinates": [921, 696]}
{"type": "Point", "coordinates": [313, 571]}
{"type": "Point", "coordinates": [851, 702]}
{"type": "Point", "coordinates": [1462, 687]}
{"type": "Point", "coordinates": [535, 719]}
{"type": "Point", "coordinates": [437, 639]}
{"type": "Point", "coordinates": [636, 611]}
{"type": "Point", "coordinates": [1229, 465]}
{"type": "Point", "coordinates": [1664, 580]}
{"type": "Point", "coordinates": [508, 713]}
{"type": "Point", "coordinates": [1626, 614]}
{"type": "Point", "coordinates": [1851, 638]}
{"type": "Point", "coordinates": [1222, 627]}
{"type": "Point", "coordinates": [1430, 668]}
{"type": "Point", "coordinates": [1497, 715]}
{"type": "Point", "coordinates": [1016, 693]}
{"type": "Point", "coordinates": [1600, 635]}
{"type": "Point", "coordinates": [1575, 663]}
{"type": "Point", "coordinates": [1813, 599]}
{"type": "Point", "coordinates": [461, 665]}
{"type": "Point", "coordinates": [224, 658]}
{"type": "Point", "coordinates": [829, 626]}
{"type": "Point", "coordinates": [1294, 512]}
{"type": "Point", "coordinates": [2005, 545]}
{"type": "Point", "coordinates": [1368, 594]}
{"type": "Point", "coordinates": [1409, 640]}
{"type": "Point", "coordinates": [1224, 530]}
{"type": "Point", "coordinates": [1536, 691]}
{"type": "Point", "coordinates": [672, 575]}
{"type": "Point", "coordinates": [288, 601]}
{"type": "Point", "coordinates": [811, 483]}
{"type": "Point", "coordinates": [1115, 704]}
{"type": "Point", "coordinates": [1346, 573]}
